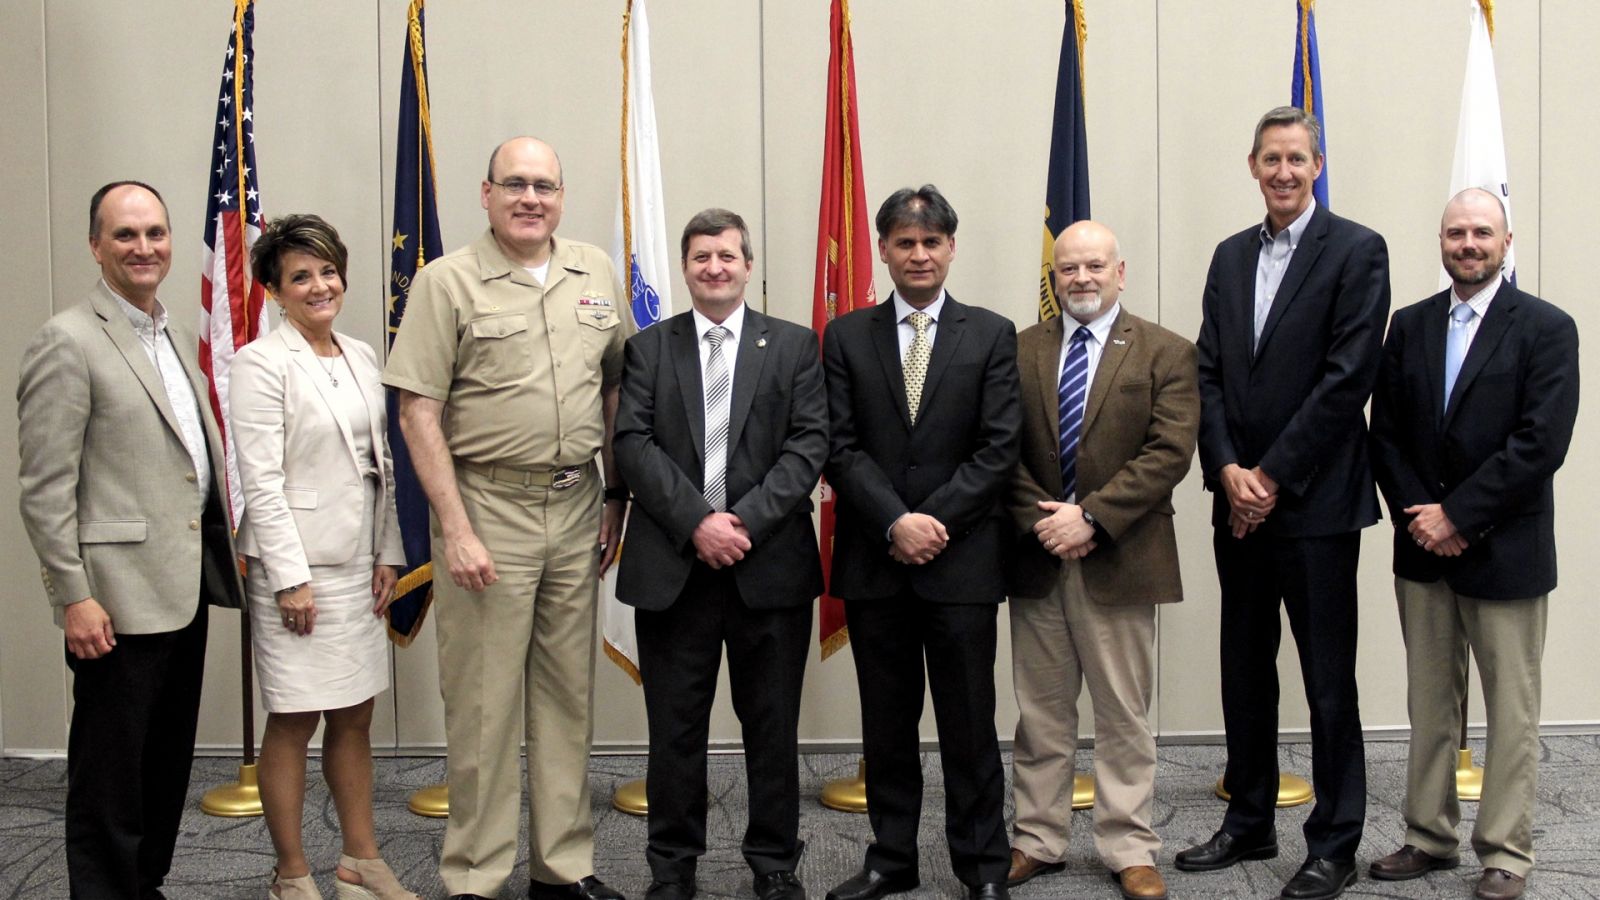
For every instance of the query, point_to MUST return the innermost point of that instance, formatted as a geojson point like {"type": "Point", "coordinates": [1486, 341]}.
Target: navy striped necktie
{"type": "Point", "coordinates": [1073, 391]}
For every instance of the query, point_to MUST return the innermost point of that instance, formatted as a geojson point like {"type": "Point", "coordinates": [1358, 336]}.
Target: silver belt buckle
{"type": "Point", "coordinates": [565, 478]}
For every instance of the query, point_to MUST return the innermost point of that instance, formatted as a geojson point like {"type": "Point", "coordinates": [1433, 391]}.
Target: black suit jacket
{"type": "Point", "coordinates": [1295, 405]}
{"type": "Point", "coordinates": [777, 442]}
{"type": "Point", "coordinates": [1489, 457]}
{"type": "Point", "coordinates": [954, 465]}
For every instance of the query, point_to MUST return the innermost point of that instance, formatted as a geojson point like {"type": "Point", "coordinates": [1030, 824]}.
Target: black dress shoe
{"type": "Point", "coordinates": [994, 890]}
{"type": "Point", "coordinates": [1223, 850]}
{"type": "Point", "coordinates": [779, 886]}
{"type": "Point", "coordinates": [590, 888]}
{"type": "Point", "coordinates": [670, 890]}
{"type": "Point", "coordinates": [870, 885]}
{"type": "Point", "coordinates": [1320, 879]}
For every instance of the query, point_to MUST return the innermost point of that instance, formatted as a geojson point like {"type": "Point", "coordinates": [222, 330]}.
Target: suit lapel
{"type": "Point", "coordinates": [122, 336]}
{"type": "Point", "coordinates": [684, 348]}
{"type": "Point", "coordinates": [746, 373]}
{"type": "Point", "coordinates": [1047, 376]}
{"type": "Point", "coordinates": [1502, 310]}
{"type": "Point", "coordinates": [303, 357]}
{"type": "Point", "coordinates": [888, 344]}
{"type": "Point", "coordinates": [1305, 256]}
{"type": "Point", "coordinates": [1119, 339]}
{"type": "Point", "coordinates": [947, 337]}
{"type": "Point", "coordinates": [1435, 322]}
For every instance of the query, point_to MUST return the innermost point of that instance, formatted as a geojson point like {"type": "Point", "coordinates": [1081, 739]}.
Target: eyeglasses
{"type": "Point", "coordinates": [516, 187]}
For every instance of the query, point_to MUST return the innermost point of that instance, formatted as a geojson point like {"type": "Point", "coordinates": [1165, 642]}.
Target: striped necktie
{"type": "Point", "coordinates": [719, 385]}
{"type": "Point", "coordinates": [1074, 389]}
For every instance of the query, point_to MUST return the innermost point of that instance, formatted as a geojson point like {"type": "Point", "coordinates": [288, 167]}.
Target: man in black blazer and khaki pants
{"type": "Point", "coordinates": [1294, 310]}
{"type": "Point", "coordinates": [1472, 417]}
{"type": "Point", "coordinates": [722, 430]}
{"type": "Point", "coordinates": [924, 413]}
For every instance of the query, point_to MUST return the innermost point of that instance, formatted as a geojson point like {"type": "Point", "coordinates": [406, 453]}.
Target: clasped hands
{"type": "Point", "coordinates": [1064, 532]}
{"type": "Point", "coordinates": [916, 538]}
{"type": "Point", "coordinates": [1433, 531]}
{"type": "Point", "coordinates": [1252, 495]}
{"type": "Point", "coordinates": [721, 539]}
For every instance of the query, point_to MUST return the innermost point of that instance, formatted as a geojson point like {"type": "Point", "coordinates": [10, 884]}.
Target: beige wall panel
{"type": "Point", "coordinates": [1570, 32]}
{"type": "Point", "coordinates": [32, 671]}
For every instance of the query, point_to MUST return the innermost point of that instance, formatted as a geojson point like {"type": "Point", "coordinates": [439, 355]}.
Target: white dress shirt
{"type": "Point", "coordinates": [1479, 303]}
{"type": "Point", "coordinates": [1276, 252]}
{"type": "Point", "coordinates": [908, 333]}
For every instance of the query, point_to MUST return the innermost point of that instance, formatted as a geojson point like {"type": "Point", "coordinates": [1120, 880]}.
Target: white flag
{"type": "Point", "coordinates": [1480, 144]}
{"type": "Point", "coordinates": [642, 254]}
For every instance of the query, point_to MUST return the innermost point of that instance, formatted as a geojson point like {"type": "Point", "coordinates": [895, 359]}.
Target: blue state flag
{"type": "Point", "coordinates": [1306, 84]}
{"type": "Point", "coordinates": [414, 242]}
{"type": "Point", "coordinates": [1066, 191]}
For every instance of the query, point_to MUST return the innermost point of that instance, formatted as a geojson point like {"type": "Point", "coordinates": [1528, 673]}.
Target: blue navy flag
{"type": "Point", "coordinates": [1306, 88]}
{"type": "Point", "coordinates": [415, 241]}
{"type": "Point", "coordinates": [1066, 191]}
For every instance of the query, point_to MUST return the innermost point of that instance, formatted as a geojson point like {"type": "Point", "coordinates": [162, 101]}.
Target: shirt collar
{"type": "Point", "coordinates": [1296, 229]}
{"type": "Point", "coordinates": [734, 323]}
{"type": "Point", "coordinates": [1478, 301]}
{"type": "Point", "coordinates": [1099, 329]}
{"type": "Point", "coordinates": [156, 323]}
{"type": "Point", "coordinates": [903, 309]}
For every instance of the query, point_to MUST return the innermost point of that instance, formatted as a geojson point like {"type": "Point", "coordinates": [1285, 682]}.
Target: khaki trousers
{"type": "Point", "coordinates": [1058, 643]}
{"type": "Point", "coordinates": [1507, 637]}
{"type": "Point", "coordinates": [523, 645]}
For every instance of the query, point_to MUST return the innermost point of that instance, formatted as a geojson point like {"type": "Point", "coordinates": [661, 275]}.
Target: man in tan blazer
{"type": "Point", "coordinates": [123, 498]}
{"type": "Point", "coordinates": [1111, 410]}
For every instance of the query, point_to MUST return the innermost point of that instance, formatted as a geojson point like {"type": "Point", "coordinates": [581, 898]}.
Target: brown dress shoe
{"type": "Point", "coordinates": [1025, 868]}
{"type": "Point", "coordinates": [1409, 862]}
{"type": "Point", "coordinates": [1498, 884]}
{"type": "Point", "coordinates": [1142, 883]}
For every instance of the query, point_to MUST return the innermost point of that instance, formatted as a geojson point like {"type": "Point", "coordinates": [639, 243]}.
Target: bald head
{"type": "Point", "coordinates": [522, 142]}
{"type": "Point", "coordinates": [1089, 270]}
{"type": "Point", "coordinates": [1473, 239]}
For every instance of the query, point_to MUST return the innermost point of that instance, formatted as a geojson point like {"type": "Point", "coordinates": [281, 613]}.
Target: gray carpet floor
{"type": "Point", "coordinates": [231, 858]}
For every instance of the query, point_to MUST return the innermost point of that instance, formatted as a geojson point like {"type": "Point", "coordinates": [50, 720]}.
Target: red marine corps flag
{"type": "Point", "coordinates": [844, 256]}
{"type": "Point", "coordinates": [232, 306]}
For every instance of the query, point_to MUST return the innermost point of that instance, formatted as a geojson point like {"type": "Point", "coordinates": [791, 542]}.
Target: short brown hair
{"type": "Point", "coordinates": [296, 233]}
{"type": "Point", "coordinates": [1281, 116]}
{"type": "Point", "coordinates": [712, 222]}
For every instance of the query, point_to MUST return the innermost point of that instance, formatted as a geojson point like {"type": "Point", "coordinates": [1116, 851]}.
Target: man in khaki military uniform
{"type": "Point", "coordinates": [508, 364]}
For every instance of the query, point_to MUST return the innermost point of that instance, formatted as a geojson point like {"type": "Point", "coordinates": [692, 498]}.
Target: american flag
{"type": "Point", "coordinates": [232, 305]}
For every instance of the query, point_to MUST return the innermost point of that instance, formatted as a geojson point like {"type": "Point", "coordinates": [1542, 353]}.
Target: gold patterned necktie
{"type": "Point", "coordinates": [916, 364]}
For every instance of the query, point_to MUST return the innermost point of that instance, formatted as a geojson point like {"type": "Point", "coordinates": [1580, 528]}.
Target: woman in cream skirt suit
{"type": "Point", "coordinates": [321, 542]}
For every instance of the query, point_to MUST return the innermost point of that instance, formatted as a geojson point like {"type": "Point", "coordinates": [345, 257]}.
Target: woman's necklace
{"type": "Point", "coordinates": [328, 367]}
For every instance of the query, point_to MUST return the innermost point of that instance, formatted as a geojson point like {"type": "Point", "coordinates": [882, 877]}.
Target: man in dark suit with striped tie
{"type": "Point", "coordinates": [722, 429]}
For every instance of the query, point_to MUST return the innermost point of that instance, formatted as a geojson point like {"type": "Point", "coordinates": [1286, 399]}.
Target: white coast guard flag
{"type": "Point", "coordinates": [1480, 144]}
{"type": "Point", "coordinates": [642, 254]}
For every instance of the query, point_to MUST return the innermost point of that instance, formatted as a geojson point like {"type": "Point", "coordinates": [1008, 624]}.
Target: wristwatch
{"type": "Point", "coordinates": [1089, 517]}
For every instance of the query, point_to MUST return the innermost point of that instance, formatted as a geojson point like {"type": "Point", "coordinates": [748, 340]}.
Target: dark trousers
{"type": "Point", "coordinates": [680, 653]}
{"type": "Point", "coordinates": [128, 757]}
{"type": "Point", "coordinates": [1315, 579]}
{"type": "Point", "coordinates": [891, 637]}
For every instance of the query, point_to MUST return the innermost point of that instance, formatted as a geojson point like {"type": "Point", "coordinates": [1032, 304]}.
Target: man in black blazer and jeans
{"type": "Point", "coordinates": [1471, 419]}
{"type": "Point", "coordinates": [722, 429]}
{"type": "Point", "coordinates": [924, 412]}
{"type": "Point", "coordinates": [1293, 321]}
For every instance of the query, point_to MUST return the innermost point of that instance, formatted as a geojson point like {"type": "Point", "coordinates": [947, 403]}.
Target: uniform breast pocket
{"type": "Point", "coordinates": [501, 351]}
{"type": "Point", "coordinates": [597, 326]}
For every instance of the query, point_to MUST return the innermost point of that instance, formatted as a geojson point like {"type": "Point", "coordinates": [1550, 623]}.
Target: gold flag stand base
{"type": "Point", "coordinates": [1082, 791]}
{"type": "Point", "coordinates": [1469, 778]}
{"type": "Point", "coordinates": [432, 801]}
{"type": "Point", "coordinates": [630, 798]}
{"type": "Point", "coordinates": [847, 794]}
{"type": "Point", "coordinates": [242, 799]}
{"type": "Point", "coordinates": [1292, 790]}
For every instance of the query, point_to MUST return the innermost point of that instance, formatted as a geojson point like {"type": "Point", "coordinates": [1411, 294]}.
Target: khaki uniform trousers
{"type": "Point", "coordinates": [1507, 637]}
{"type": "Point", "coordinates": [520, 654]}
{"type": "Point", "coordinates": [1058, 643]}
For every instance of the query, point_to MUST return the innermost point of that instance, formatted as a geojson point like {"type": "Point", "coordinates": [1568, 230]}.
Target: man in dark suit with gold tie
{"type": "Point", "coordinates": [1289, 343]}
{"type": "Point", "coordinates": [1472, 417]}
{"type": "Point", "coordinates": [923, 410]}
{"type": "Point", "coordinates": [722, 429]}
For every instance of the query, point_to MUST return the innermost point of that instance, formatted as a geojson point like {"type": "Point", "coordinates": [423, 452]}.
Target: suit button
{"type": "Point", "coordinates": [194, 524]}
{"type": "Point", "coordinates": [1052, 454]}
{"type": "Point", "coordinates": [190, 477]}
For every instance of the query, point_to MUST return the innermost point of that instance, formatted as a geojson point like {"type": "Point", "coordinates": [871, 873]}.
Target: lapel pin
{"type": "Point", "coordinates": [1119, 342]}
{"type": "Point", "coordinates": [761, 342]}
